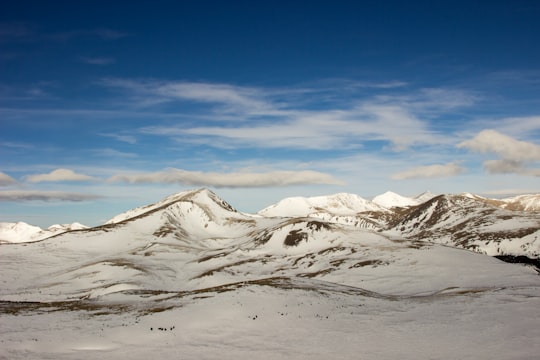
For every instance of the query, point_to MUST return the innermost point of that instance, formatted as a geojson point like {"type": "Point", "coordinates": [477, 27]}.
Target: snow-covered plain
{"type": "Point", "coordinates": [190, 277]}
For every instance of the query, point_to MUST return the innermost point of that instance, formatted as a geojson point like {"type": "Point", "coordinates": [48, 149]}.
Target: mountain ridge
{"type": "Point", "coordinates": [464, 220]}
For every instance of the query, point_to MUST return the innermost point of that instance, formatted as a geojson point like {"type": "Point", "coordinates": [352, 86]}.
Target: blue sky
{"type": "Point", "coordinates": [109, 105]}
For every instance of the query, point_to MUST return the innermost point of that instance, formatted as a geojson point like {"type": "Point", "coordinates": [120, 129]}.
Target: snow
{"type": "Point", "coordinates": [17, 232]}
{"type": "Point", "coordinates": [423, 197]}
{"type": "Point", "coordinates": [530, 202]}
{"type": "Point", "coordinates": [66, 227]}
{"type": "Point", "coordinates": [391, 199]}
{"type": "Point", "coordinates": [272, 323]}
{"type": "Point", "coordinates": [191, 278]}
{"type": "Point", "coordinates": [20, 232]}
{"type": "Point", "coordinates": [143, 209]}
{"type": "Point", "coordinates": [339, 204]}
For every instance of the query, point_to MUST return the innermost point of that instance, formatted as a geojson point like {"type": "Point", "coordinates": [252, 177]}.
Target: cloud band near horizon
{"type": "Point", "coordinates": [229, 180]}
{"type": "Point", "coordinates": [37, 195]}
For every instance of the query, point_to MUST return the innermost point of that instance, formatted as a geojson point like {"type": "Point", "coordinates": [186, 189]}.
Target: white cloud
{"type": "Point", "coordinates": [430, 171]}
{"type": "Point", "coordinates": [6, 180]}
{"type": "Point", "coordinates": [59, 175]}
{"type": "Point", "coordinates": [231, 180]}
{"type": "Point", "coordinates": [491, 141]}
{"type": "Point", "coordinates": [35, 195]}
{"type": "Point", "coordinates": [505, 166]}
{"type": "Point", "coordinates": [515, 156]}
{"type": "Point", "coordinates": [283, 118]}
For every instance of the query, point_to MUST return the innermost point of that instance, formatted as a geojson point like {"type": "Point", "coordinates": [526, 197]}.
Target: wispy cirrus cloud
{"type": "Point", "coordinates": [231, 98]}
{"type": "Point", "coordinates": [38, 195]}
{"type": "Point", "coordinates": [98, 60]}
{"type": "Point", "coordinates": [324, 117]}
{"type": "Point", "coordinates": [430, 171]}
{"type": "Point", "coordinates": [59, 175]}
{"type": "Point", "coordinates": [112, 153]}
{"type": "Point", "coordinates": [130, 139]}
{"type": "Point", "coordinates": [230, 180]}
{"type": "Point", "coordinates": [102, 33]}
{"type": "Point", "coordinates": [17, 31]}
{"type": "Point", "coordinates": [6, 180]}
{"type": "Point", "coordinates": [328, 129]}
{"type": "Point", "coordinates": [521, 126]}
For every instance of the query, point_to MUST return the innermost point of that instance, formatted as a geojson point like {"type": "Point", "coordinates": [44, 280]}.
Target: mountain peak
{"type": "Point", "coordinates": [202, 196]}
{"type": "Point", "coordinates": [339, 204]}
{"type": "Point", "coordinates": [390, 199]}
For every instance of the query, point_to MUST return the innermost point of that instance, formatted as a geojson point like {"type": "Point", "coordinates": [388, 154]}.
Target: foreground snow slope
{"type": "Point", "coordinates": [273, 320]}
{"type": "Point", "coordinates": [190, 277]}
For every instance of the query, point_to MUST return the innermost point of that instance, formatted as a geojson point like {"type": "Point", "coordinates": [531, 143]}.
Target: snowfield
{"type": "Point", "coordinates": [190, 277]}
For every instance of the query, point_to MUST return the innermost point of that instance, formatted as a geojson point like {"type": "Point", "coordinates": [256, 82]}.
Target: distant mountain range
{"type": "Point", "coordinates": [495, 227]}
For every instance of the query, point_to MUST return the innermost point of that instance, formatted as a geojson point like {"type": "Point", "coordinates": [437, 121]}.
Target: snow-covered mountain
{"type": "Point", "coordinates": [190, 271]}
{"type": "Point", "coordinates": [423, 197]}
{"type": "Point", "coordinates": [529, 202]}
{"type": "Point", "coordinates": [390, 199]}
{"type": "Point", "coordinates": [342, 204]}
{"type": "Point", "coordinates": [23, 232]}
{"type": "Point", "coordinates": [490, 226]}
{"type": "Point", "coordinates": [471, 222]}
{"type": "Point", "coordinates": [212, 243]}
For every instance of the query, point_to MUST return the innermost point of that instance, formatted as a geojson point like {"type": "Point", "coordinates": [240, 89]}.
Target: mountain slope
{"type": "Point", "coordinates": [472, 223]}
{"type": "Point", "coordinates": [194, 240]}
{"type": "Point", "coordinates": [469, 221]}
{"type": "Point", "coordinates": [341, 204]}
{"type": "Point", "coordinates": [529, 202]}
{"type": "Point", "coordinates": [390, 199]}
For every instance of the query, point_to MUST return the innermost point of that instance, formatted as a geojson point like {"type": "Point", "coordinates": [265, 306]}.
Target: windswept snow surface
{"type": "Point", "coordinates": [192, 278]}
